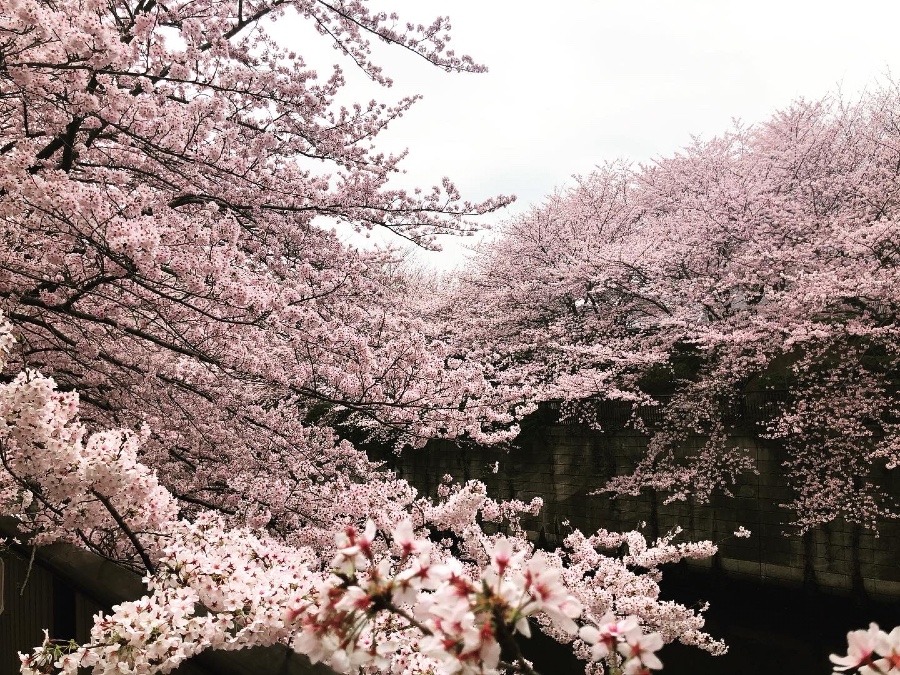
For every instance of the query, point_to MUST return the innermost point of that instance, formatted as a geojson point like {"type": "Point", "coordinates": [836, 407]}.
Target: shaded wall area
{"type": "Point", "coordinates": [35, 599]}
{"type": "Point", "coordinates": [563, 463]}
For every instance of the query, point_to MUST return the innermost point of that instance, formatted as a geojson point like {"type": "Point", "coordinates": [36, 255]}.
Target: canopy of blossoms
{"type": "Point", "coordinates": [766, 260]}
{"type": "Point", "coordinates": [183, 329]}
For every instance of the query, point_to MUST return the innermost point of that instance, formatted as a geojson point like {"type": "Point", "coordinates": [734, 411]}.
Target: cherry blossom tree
{"type": "Point", "coordinates": [764, 259]}
{"type": "Point", "coordinates": [170, 178]}
{"type": "Point", "coordinates": [188, 329]}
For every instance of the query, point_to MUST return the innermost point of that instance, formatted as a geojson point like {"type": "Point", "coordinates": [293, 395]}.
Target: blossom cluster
{"type": "Point", "coordinates": [391, 602]}
{"type": "Point", "coordinates": [65, 484]}
{"type": "Point", "coordinates": [214, 588]}
{"type": "Point", "coordinates": [870, 652]}
{"type": "Point", "coordinates": [624, 645]}
{"type": "Point", "coordinates": [467, 617]}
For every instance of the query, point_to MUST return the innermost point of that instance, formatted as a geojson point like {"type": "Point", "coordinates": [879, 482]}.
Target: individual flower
{"type": "Point", "coordinates": [503, 555]}
{"type": "Point", "coordinates": [887, 645]}
{"type": "Point", "coordinates": [861, 646]}
{"type": "Point", "coordinates": [608, 634]}
{"type": "Point", "coordinates": [405, 539]}
{"type": "Point", "coordinates": [640, 651]}
{"type": "Point", "coordinates": [354, 549]}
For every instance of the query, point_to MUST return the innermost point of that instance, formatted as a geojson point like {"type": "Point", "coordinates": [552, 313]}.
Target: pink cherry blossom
{"type": "Point", "coordinates": [887, 646]}
{"type": "Point", "coordinates": [641, 649]}
{"type": "Point", "coordinates": [861, 647]}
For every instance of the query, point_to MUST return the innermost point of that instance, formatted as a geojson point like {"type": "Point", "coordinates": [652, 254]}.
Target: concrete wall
{"type": "Point", "coordinates": [564, 462]}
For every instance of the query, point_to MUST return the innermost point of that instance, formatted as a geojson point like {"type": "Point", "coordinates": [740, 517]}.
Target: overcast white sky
{"type": "Point", "coordinates": [575, 83]}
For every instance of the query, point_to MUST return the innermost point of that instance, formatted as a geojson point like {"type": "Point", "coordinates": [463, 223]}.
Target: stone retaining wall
{"type": "Point", "coordinates": [562, 463]}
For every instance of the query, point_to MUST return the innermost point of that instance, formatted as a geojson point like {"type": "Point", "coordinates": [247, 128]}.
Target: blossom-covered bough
{"type": "Point", "coordinates": [383, 598]}
{"type": "Point", "coordinates": [388, 598]}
